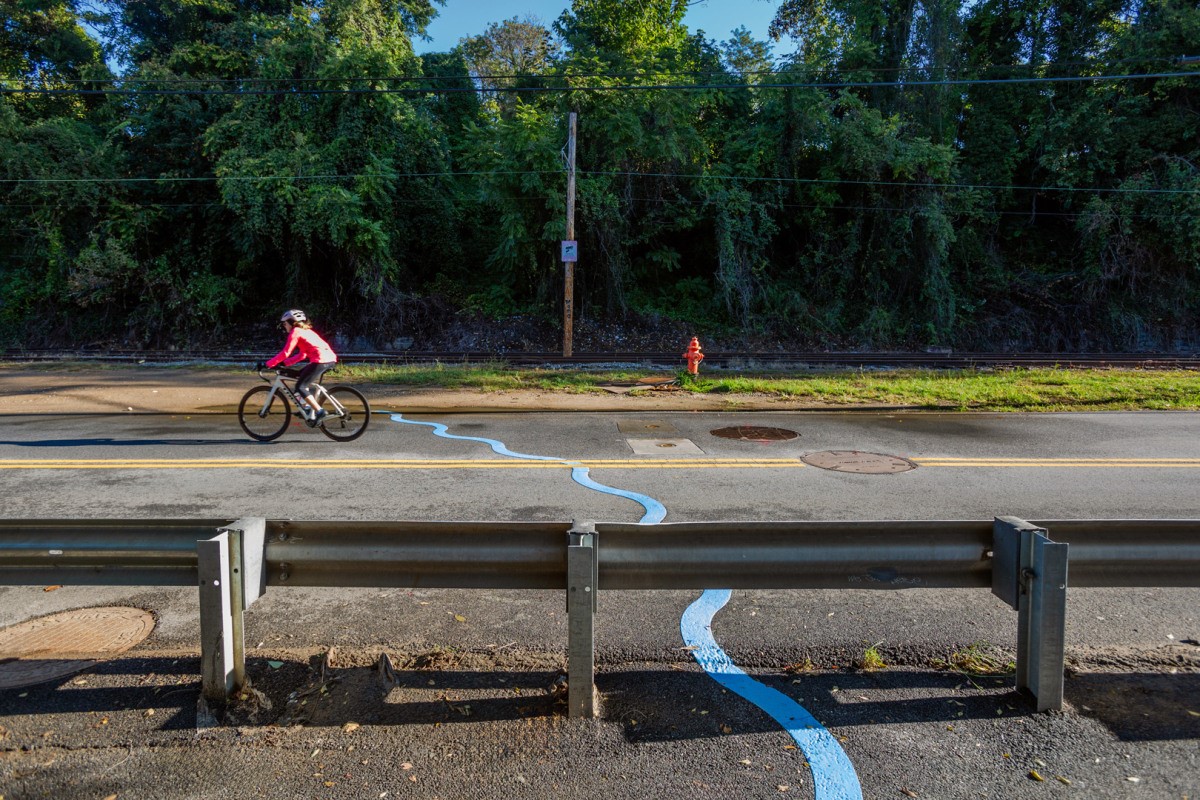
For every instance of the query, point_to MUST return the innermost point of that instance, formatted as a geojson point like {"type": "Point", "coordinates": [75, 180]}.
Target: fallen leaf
{"type": "Point", "coordinates": [1133, 779]}
{"type": "Point", "coordinates": [746, 761]}
{"type": "Point", "coordinates": [412, 778]}
{"type": "Point", "coordinates": [726, 729]}
{"type": "Point", "coordinates": [1033, 773]}
{"type": "Point", "coordinates": [149, 712]}
{"type": "Point", "coordinates": [329, 783]}
{"type": "Point", "coordinates": [459, 618]}
{"type": "Point", "coordinates": [111, 797]}
{"type": "Point", "coordinates": [53, 588]}
{"type": "Point", "coordinates": [783, 787]}
{"type": "Point", "coordinates": [1194, 713]}
{"type": "Point", "coordinates": [908, 792]}
{"type": "Point", "coordinates": [350, 727]}
{"type": "Point", "coordinates": [1061, 779]}
{"type": "Point", "coordinates": [789, 747]}
{"type": "Point", "coordinates": [1039, 762]}
{"type": "Point", "coordinates": [406, 766]}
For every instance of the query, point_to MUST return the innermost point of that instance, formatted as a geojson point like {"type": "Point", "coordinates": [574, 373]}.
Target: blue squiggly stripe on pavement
{"type": "Point", "coordinates": [833, 775]}
{"type": "Point", "coordinates": [655, 511]}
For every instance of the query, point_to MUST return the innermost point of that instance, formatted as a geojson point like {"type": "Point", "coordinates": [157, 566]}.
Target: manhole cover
{"type": "Point", "coordinates": [858, 462]}
{"type": "Point", "coordinates": [52, 647]}
{"type": "Point", "coordinates": [755, 433]}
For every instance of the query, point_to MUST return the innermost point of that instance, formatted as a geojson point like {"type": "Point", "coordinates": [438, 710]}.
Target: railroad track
{"type": "Point", "coordinates": [732, 360]}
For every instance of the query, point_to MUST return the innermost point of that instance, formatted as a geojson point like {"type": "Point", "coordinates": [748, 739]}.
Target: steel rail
{"type": "Point", "coordinates": [744, 360]}
{"type": "Point", "coordinates": [112, 552]}
{"type": "Point", "coordinates": [885, 554]}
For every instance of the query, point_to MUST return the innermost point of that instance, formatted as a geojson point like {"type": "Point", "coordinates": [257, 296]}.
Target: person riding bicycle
{"type": "Point", "coordinates": [313, 348]}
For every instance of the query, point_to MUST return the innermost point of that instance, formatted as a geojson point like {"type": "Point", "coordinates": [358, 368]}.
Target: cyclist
{"type": "Point", "coordinates": [313, 348]}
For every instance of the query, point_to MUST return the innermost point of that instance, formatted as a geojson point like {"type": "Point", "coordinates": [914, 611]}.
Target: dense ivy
{"type": "Point", "coordinates": [988, 214]}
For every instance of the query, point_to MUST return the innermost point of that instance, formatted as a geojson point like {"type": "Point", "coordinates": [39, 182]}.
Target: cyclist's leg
{"type": "Point", "coordinates": [308, 376]}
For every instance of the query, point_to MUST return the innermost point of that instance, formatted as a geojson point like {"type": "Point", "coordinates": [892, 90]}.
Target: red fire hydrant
{"type": "Point", "coordinates": [693, 356]}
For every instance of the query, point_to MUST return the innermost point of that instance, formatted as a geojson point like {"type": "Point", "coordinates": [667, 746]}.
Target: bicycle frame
{"type": "Point", "coordinates": [281, 383]}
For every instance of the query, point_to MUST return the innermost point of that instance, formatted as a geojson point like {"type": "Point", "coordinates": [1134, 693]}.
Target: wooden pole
{"type": "Point", "coordinates": [569, 266]}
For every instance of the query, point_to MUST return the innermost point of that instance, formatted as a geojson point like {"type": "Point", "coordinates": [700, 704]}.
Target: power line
{"type": "Point", "coordinates": [911, 184]}
{"type": "Point", "coordinates": [210, 178]}
{"type": "Point", "coordinates": [296, 92]}
{"type": "Point", "coordinates": [783, 69]}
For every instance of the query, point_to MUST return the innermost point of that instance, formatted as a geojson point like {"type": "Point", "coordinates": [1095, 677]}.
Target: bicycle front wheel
{"type": "Point", "coordinates": [261, 421]}
{"type": "Point", "coordinates": [349, 417]}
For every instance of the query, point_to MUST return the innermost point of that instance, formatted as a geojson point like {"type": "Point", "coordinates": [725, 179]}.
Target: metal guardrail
{"type": "Point", "coordinates": [234, 563]}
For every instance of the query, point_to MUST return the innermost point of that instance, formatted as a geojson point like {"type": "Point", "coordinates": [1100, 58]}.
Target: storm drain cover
{"type": "Point", "coordinates": [858, 462]}
{"type": "Point", "coordinates": [664, 447]}
{"type": "Point", "coordinates": [58, 645]}
{"type": "Point", "coordinates": [755, 433]}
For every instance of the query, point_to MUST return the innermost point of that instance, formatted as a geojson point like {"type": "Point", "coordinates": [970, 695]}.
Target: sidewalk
{"type": "Point", "coordinates": [183, 390]}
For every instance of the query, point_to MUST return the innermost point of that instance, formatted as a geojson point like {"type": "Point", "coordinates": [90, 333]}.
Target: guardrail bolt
{"type": "Point", "coordinates": [285, 571]}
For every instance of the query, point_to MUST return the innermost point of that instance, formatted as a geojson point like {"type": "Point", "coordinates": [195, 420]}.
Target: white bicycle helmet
{"type": "Point", "coordinates": [295, 315]}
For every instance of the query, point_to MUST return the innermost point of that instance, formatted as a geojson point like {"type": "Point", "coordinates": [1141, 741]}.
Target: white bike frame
{"type": "Point", "coordinates": [319, 392]}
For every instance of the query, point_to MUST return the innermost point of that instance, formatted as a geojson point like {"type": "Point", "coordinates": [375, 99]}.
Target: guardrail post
{"type": "Point", "coordinates": [232, 572]}
{"type": "Point", "coordinates": [216, 617]}
{"type": "Point", "coordinates": [583, 570]}
{"type": "Point", "coordinates": [1029, 572]}
{"type": "Point", "coordinates": [247, 581]}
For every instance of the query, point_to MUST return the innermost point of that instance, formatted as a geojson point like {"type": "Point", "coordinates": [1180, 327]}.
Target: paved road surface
{"type": "Point", "coordinates": [667, 729]}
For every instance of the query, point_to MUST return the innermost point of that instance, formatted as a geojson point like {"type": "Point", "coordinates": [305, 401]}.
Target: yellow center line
{"type": "Point", "coordinates": [643, 463]}
{"type": "Point", "coordinates": [389, 464]}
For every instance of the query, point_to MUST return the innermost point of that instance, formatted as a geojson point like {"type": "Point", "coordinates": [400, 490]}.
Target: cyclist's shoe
{"type": "Point", "coordinates": [321, 415]}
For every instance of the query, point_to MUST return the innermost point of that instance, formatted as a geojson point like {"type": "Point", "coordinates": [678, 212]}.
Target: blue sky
{"type": "Point", "coordinates": [459, 18]}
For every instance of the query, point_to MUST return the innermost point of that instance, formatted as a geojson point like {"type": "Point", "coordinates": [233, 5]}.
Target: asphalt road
{"type": "Point", "coordinates": [667, 729]}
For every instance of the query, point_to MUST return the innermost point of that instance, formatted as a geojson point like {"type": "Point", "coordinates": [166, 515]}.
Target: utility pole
{"type": "Point", "coordinates": [569, 247]}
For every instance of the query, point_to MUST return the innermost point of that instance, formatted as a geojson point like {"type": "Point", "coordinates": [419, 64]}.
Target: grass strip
{"type": "Point", "coordinates": [956, 390]}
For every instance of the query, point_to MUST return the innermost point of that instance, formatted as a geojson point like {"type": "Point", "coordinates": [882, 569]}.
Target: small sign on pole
{"type": "Point", "coordinates": [570, 251]}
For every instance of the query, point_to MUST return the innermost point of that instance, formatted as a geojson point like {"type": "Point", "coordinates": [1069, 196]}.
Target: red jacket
{"type": "Point", "coordinates": [312, 347]}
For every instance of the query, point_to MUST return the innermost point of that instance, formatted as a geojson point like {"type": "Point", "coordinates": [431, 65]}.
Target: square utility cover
{"type": "Point", "coordinates": [664, 447]}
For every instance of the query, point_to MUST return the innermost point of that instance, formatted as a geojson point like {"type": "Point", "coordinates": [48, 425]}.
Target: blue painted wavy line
{"type": "Point", "coordinates": [834, 777]}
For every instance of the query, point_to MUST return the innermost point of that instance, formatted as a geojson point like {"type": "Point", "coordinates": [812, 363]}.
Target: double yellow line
{"type": "Point", "coordinates": [1060, 463]}
{"type": "Point", "coordinates": [424, 463]}
{"type": "Point", "coordinates": [624, 463]}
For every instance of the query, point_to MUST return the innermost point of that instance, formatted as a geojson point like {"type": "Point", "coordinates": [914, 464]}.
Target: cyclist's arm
{"type": "Point", "coordinates": [288, 347]}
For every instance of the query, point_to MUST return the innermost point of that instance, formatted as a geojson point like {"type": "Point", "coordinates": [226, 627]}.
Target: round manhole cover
{"type": "Point", "coordinates": [858, 462]}
{"type": "Point", "coordinates": [755, 433]}
{"type": "Point", "coordinates": [58, 645]}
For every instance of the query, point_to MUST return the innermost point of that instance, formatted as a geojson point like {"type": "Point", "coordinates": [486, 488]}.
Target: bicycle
{"type": "Point", "coordinates": [265, 412]}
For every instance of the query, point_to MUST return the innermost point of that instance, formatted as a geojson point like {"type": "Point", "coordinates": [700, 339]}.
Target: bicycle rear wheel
{"type": "Point", "coordinates": [264, 424]}
{"type": "Point", "coordinates": [351, 423]}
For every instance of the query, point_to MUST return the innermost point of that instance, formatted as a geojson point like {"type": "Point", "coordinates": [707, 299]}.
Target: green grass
{"type": "Point", "coordinates": [978, 659]}
{"type": "Point", "coordinates": [955, 390]}
{"type": "Point", "coordinates": [972, 390]}
{"type": "Point", "coordinates": [871, 659]}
